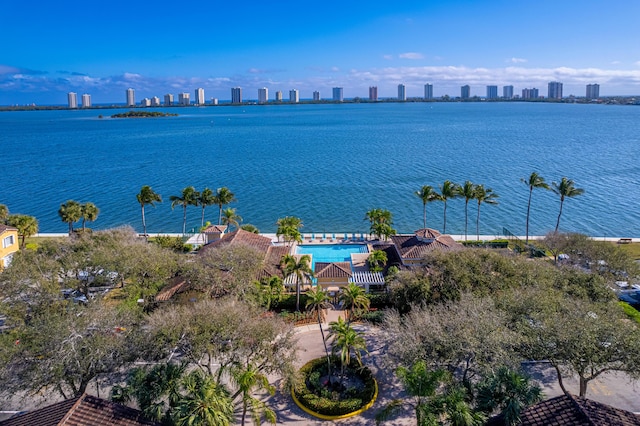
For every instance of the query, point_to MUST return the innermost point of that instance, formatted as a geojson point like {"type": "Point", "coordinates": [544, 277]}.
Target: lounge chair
{"type": "Point", "coordinates": [333, 237]}
{"type": "Point", "coordinates": [324, 237]}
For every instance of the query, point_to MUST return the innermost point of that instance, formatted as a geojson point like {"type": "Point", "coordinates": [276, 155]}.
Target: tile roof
{"type": "Point", "coordinates": [332, 270]}
{"type": "Point", "coordinates": [569, 410]}
{"type": "Point", "coordinates": [410, 247]}
{"type": "Point", "coordinates": [6, 228]}
{"type": "Point", "coordinates": [427, 233]}
{"type": "Point", "coordinates": [215, 229]}
{"type": "Point", "coordinates": [240, 236]}
{"type": "Point", "coordinates": [85, 410]}
{"type": "Point", "coordinates": [175, 285]}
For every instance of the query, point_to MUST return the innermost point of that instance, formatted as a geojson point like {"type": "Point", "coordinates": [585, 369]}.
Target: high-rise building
{"type": "Point", "coordinates": [199, 98]}
{"type": "Point", "coordinates": [316, 95]}
{"type": "Point", "coordinates": [155, 101]}
{"type": "Point", "coordinates": [86, 100]}
{"type": "Point", "coordinates": [183, 99]}
{"type": "Point", "coordinates": [507, 92]}
{"type": "Point", "coordinates": [373, 93]}
{"type": "Point", "coordinates": [294, 96]}
{"type": "Point", "coordinates": [428, 91]}
{"type": "Point", "coordinates": [72, 99]}
{"type": "Point", "coordinates": [236, 95]}
{"type": "Point", "coordinates": [593, 91]}
{"type": "Point", "coordinates": [263, 95]}
{"type": "Point", "coordinates": [402, 93]}
{"type": "Point", "coordinates": [214, 101]}
{"type": "Point", "coordinates": [279, 96]}
{"type": "Point", "coordinates": [338, 94]}
{"type": "Point", "coordinates": [492, 92]}
{"type": "Point", "coordinates": [131, 97]}
{"type": "Point", "coordinates": [465, 92]}
{"type": "Point", "coordinates": [145, 102]}
{"type": "Point", "coordinates": [530, 93]}
{"type": "Point", "coordinates": [168, 99]}
{"type": "Point", "coordinates": [555, 90]}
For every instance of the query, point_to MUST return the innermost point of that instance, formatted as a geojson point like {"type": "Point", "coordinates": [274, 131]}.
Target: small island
{"type": "Point", "coordinates": [142, 114]}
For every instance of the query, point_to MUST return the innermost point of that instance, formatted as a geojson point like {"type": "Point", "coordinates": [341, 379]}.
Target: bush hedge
{"type": "Point", "coordinates": [325, 405]}
{"type": "Point", "coordinates": [487, 244]}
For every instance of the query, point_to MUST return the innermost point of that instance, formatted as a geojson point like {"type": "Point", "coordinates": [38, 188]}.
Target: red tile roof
{"type": "Point", "coordinates": [175, 285]}
{"type": "Point", "coordinates": [215, 229]}
{"type": "Point", "coordinates": [427, 233]}
{"type": "Point", "coordinates": [410, 247]}
{"type": "Point", "coordinates": [85, 410]}
{"type": "Point", "coordinates": [241, 236]}
{"type": "Point", "coordinates": [332, 270]}
{"type": "Point", "coordinates": [6, 228]}
{"type": "Point", "coordinates": [568, 410]}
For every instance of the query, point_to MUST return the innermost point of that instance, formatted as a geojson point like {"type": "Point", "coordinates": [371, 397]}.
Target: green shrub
{"type": "Point", "coordinates": [373, 317]}
{"type": "Point", "coordinates": [630, 311]}
{"type": "Point", "coordinates": [379, 300]}
{"type": "Point", "coordinates": [288, 302]}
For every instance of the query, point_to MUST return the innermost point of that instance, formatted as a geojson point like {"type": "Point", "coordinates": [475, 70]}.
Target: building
{"type": "Point", "coordinates": [131, 97]}
{"type": "Point", "coordinates": [183, 99]}
{"type": "Point", "coordinates": [86, 100]}
{"type": "Point", "coordinates": [428, 91]}
{"type": "Point", "coordinates": [199, 98]}
{"type": "Point", "coordinates": [9, 237]}
{"type": "Point", "coordinates": [507, 92]}
{"type": "Point", "coordinates": [373, 93]}
{"type": "Point", "coordinates": [263, 95]}
{"type": "Point", "coordinates": [72, 99]}
{"type": "Point", "coordinates": [338, 94]}
{"type": "Point", "coordinates": [465, 92]}
{"type": "Point", "coordinates": [214, 101]}
{"type": "Point", "coordinates": [316, 95]}
{"type": "Point", "coordinates": [413, 248]}
{"type": "Point", "coordinates": [530, 93]}
{"type": "Point", "coordinates": [593, 91]}
{"type": "Point", "coordinates": [402, 92]}
{"type": "Point", "coordinates": [294, 96]}
{"type": "Point", "coordinates": [236, 95]}
{"type": "Point", "coordinates": [146, 102]}
{"type": "Point", "coordinates": [555, 90]}
{"type": "Point", "coordinates": [278, 96]}
{"type": "Point", "coordinates": [492, 92]}
{"type": "Point", "coordinates": [155, 101]}
{"type": "Point", "coordinates": [168, 99]}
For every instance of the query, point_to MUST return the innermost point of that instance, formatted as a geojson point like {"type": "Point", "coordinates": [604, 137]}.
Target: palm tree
{"type": "Point", "coordinates": [534, 181]}
{"type": "Point", "coordinates": [205, 198]}
{"type": "Point", "coordinates": [347, 342]}
{"type": "Point", "coordinates": [448, 190]}
{"type": "Point", "coordinates": [89, 213]}
{"type": "Point", "coordinates": [354, 297]}
{"type": "Point", "coordinates": [564, 189]}
{"type": "Point", "coordinates": [301, 268]}
{"type": "Point", "coordinates": [189, 197]}
{"type": "Point", "coordinates": [147, 196]}
{"type": "Point", "coordinates": [381, 221]}
{"type": "Point", "coordinates": [4, 213]}
{"type": "Point", "coordinates": [377, 260]}
{"type": "Point", "coordinates": [205, 403]}
{"type": "Point", "coordinates": [468, 192]}
{"type": "Point", "coordinates": [70, 212]}
{"type": "Point", "coordinates": [426, 194]}
{"type": "Point", "coordinates": [26, 226]}
{"type": "Point", "coordinates": [509, 392]}
{"type": "Point", "coordinates": [318, 301]}
{"type": "Point", "coordinates": [289, 228]}
{"type": "Point", "coordinates": [230, 217]}
{"type": "Point", "coordinates": [223, 197]}
{"type": "Point", "coordinates": [270, 290]}
{"type": "Point", "coordinates": [247, 380]}
{"type": "Point", "coordinates": [487, 196]}
{"type": "Point", "coordinates": [250, 228]}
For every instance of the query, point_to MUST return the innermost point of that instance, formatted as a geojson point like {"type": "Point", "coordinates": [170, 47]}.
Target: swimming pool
{"type": "Point", "coordinates": [331, 252]}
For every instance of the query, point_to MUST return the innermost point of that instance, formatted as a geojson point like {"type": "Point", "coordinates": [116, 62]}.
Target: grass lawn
{"type": "Point", "coordinates": [633, 249]}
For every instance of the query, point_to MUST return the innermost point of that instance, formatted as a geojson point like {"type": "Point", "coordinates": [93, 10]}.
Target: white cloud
{"type": "Point", "coordinates": [335, 69]}
{"type": "Point", "coordinates": [517, 60]}
{"type": "Point", "coordinates": [387, 57]}
{"type": "Point", "coordinates": [411, 55]}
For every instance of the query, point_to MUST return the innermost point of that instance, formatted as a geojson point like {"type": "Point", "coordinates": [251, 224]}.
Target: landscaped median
{"type": "Point", "coordinates": [346, 395]}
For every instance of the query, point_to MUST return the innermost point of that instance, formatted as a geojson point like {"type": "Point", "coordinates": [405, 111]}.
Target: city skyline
{"type": "Point", "coordinates": [446, 44]}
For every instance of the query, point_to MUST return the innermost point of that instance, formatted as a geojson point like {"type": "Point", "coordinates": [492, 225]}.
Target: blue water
{"type": "Point", "coordinates": [329, 164]}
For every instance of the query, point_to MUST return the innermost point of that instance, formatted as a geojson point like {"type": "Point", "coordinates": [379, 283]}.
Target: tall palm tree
{"type": "Point", "coordinates": [249, 379]}
{"type": "Point", "coordinates": [223, 197]}
{"type": "Point", "coordinates": [508, 392]}
{"type": "Point", "coordinates": [205, 403]}
{"type": "Point", "coordinates": [448, 190]}
{"type": "Point", "coordinates": [346, 342]}
{"type": "Point", "coordinates": [289, 228]}
{"type": "Point", "coordinates": [205, 198]}
{"type": "Point", "coordinates": [377, 260]}
{"type": "Point", "coordinates": [381, 221]}
{"type": "Point", "coordinates": [318, 301]}
{"type": "Point", "coordinates": [426, 194]}
{"type": "Point", "coordinates": [70, 212]}
{"type": "Point", "coordinates": [565, 189]}
{"type": "Point", "coordinates": [534, 181]}
{"type": "Point", "coordinates": [89, 213]}
{"type": "Point", "coordinates": [231, 218]}
{"type": "Point", "coordinates": [468, 192]}
{"type": "Point", "coordinates": [301, 268]}
{"type": "Point", "coordinates": [147, 196]}
{"type": "Point", "coordinates": [354, 297]}
{"type": "Point", "coordinates": [26, 226]}
{"type": "Point", "coordinates": [487, 196]}
{"type": "Point", "coordinates": [189, 197]}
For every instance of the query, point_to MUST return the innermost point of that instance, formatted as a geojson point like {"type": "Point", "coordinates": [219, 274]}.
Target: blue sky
{"type": "Point", "coordinates": [50, 48]}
